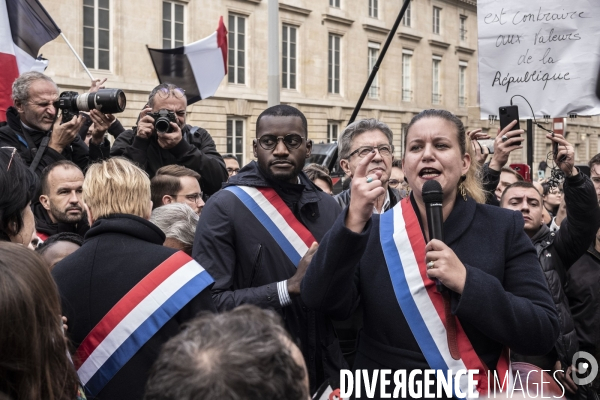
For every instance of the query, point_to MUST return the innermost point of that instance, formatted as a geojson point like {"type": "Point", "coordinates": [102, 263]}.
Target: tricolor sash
{"type": "Point", "coordinates": [137, 317]}
{"type": "Point", "coordinates": [277, 218]}
{"type": "Point", "coordinates": [423, 307]}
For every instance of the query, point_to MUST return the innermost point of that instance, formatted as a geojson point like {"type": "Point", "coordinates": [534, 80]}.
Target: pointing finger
{"type": "Point", "coordinates": [361, 168]}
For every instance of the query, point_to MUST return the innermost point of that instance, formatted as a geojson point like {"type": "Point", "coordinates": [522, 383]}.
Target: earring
{"type": "Point", "coordinates": [461, 187]}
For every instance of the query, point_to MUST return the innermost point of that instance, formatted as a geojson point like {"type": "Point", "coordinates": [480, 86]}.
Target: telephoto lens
{"type": "Point", "coordinates": [107, 101]}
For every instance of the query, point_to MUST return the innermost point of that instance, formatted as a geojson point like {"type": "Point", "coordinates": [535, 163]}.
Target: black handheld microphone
{"type": "Point", "coordinates": [433, 197]}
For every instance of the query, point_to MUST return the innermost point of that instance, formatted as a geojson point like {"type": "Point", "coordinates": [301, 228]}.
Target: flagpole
{"type": "Point", "coordinates": [379, 60]}
{"type": "Point", "coordinates": [77, 55]}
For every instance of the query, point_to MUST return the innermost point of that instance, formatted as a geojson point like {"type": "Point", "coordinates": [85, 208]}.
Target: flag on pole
{"type": "Point", "coordinates": [198, 68]}
{"type": "Point", "coordinates": [25, 27]}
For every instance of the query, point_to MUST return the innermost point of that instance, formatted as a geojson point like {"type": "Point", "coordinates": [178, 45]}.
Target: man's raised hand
{"type": "Point", "coordinates": [365, 191]}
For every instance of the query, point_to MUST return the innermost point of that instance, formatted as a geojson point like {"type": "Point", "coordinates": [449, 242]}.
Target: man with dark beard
{"type": "Point", "coordinates": [257, 235]}
{"type": "Point", "coordinates": [60, 208]}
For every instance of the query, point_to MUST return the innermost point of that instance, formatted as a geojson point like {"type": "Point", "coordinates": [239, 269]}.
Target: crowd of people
{"type": "Point", "coordinates": [152, 267]}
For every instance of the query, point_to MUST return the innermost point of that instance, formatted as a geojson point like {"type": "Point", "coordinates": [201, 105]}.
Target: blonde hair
{"type": "Point", "coordinates": [116, 186]}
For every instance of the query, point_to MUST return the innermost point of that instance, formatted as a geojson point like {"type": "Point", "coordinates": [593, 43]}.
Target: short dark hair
{"type": "Point", "coordinates": [282, 110]}
{"type": "Point", "coordinates": [229, 156]}
{"type": "Point", "coordinates": [513, 172]}
{"type": "Point", "coordinates": [316, 171]}
{"type": "Point", "coordinates": [520, 184]}
{"type": "Point", "coordinates": [594, 160]}
{"type": "Point", "coordinates": [19, 185]}
{"type": "Point", "coordinates": [397, 163]}
{"type": "Point", "coordinates": [241, 354]}
{"type": "Point", "coordinates": [166, 182]}
{"type": "Point", "coordinates": [66, 164]}
{"type": "Point", "coordinates": [59, 237]}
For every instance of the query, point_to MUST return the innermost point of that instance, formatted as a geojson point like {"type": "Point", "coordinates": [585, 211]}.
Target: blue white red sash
{"type": "Point", "coordinates": [137, 317]}
{"type": "Point", "coordinates": [277, 218]}
{"type": "Point", "coordinates": [423, 307]}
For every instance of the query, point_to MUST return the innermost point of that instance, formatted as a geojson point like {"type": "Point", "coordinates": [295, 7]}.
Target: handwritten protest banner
{"type": "Point", "coordinates": [547, 51]}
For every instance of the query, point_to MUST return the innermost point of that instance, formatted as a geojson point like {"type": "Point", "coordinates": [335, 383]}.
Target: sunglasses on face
{"type": "Point", "coordinates": [291, 141]}
{"type": "Point", "coordinates": [177, 92]}
{"type": "Point", "coordinates": [384, 150]}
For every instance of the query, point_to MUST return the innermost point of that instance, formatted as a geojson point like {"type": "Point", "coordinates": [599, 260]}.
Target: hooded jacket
{"type": "Point", "coordinates": [247, 263]}
{"type": "Point", "coordinates": [118, 252]}
{"type": "Point", "coordinates": [27, 142]}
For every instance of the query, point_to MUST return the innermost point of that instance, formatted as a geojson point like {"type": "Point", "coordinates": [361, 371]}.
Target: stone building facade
{"type": "Point", "coordinates": [327, 50]}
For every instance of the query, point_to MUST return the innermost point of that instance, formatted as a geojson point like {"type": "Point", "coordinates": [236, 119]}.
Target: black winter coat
{"type": "Point", "coordinates": [195, 151]}
{"type": "Point", "coordinates": [119, 251]}
{"type": "Point", "coordinates": [505, 301]}
{"type": "Point", "coordinates": [557, 251]}
{"type": "Point", "coordinates": [246, 264]}
{"type": "Point", "coordinates": [12, 134]}
{"type": "Point", "coordinates": [583, 291]}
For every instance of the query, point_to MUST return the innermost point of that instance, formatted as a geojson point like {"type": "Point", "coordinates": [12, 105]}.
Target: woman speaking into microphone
{"type": "Point", "coordinates": [494, 295]}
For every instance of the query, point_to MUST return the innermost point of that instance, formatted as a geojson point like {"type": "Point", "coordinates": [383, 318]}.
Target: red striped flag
{"type": "Point", "coordinates": [25, 27]}
{"type": "Point", "coordinates": [198, 67]}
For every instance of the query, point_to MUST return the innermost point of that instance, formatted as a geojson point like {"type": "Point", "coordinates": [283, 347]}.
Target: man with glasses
{"type": "Point", "coordinates": [359, 139]}
{"type": "Point", "coordinates": [34, 129]}
{"type": "Point", "coordinates": [181, 144]}
{"type": "Point", "coordinates": [176, 184]}
{"type": "Point", "coordinates": [256, 237]}
{"type": "Point", "coordinates": [231, 164]}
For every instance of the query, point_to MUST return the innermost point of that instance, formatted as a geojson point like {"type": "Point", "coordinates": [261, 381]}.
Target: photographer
{"type": "Point", "coordinates": [182, 144]}
{"type": "Point", "coordinates": [34, 129]}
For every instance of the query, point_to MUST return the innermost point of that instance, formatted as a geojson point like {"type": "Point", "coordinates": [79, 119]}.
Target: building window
{"type": "Point", "coordinates": [334, 3]}
{"type": "Point", "coordinates": [373, 8]}
{"type": "Point", "coordinates": [333, 81]}
{"type": "Point", "coordinates": [436, 97]}
{"type": "Point", "coordinates": [462, 84]}
{"type": "Point", "coordinates": [172, 25]}
{"type": "Point", "coordinates": [373, 54]}
{"type": "Point", "coordinates": [237, 49]}
{"type": "Point", "coordinates": [436, 20]}
{"type": "Point", "coordinates": [463, 28]}
{"type": "Point", "coordinates": [407, 16]}
{"type": "Point", "coordinates": [332, 132]}
{"type": "Point", "coordinates": [96, 34]}
{"type": "Point", "coordinates": [288, 57]}
{"type": "Point", "coordinates": [235, 139]}
{"type": "Point", "coordinates": [406, 75]}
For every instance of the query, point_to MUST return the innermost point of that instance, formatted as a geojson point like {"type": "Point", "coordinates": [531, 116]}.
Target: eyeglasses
{"type": "Point", "coordinates": [232, 171]}
{"type": "Point", "coordinates": [194, 197]}
{"type": "Point", "coordinates": [166, 92]}
{"type": "Point", "coordinates": [14, 151]}
{"type": "Point", "coordinates": [384, 150]}
{"type": "Point", "coordinates": [291, 141]}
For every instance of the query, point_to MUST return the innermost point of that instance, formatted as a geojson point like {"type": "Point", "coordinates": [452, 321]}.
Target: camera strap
{"type": "Point", "coordinates": [39, 153]}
